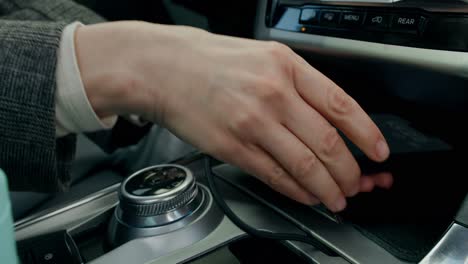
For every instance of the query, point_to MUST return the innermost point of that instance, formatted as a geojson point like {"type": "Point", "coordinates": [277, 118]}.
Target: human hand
{"type": "Point", "coordinates": [254, 104]}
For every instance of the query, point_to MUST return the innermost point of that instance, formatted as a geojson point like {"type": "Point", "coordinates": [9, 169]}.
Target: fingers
{"type": "Point", "coordinates": [340, 109]}
{"type": "Point", "coordinates": [369, 182]}
{"type": "Point", "coordinates": [383, 180]}
{"type": "Point", "coordinates": [259, 163]}
{"type": "Point", "coordinates": [366, 184]}
{"type": "Point", "coordinates": [303, 165]}
{"type": "Point", "coordinates": [323, 139]}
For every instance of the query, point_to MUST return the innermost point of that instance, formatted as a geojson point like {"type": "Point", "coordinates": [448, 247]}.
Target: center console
{"type": "Point", "coordinates": [407, 59]}
{"type": "Point", "coordinates": [166, 214]}
{"type": "Point", "coordinates": [404, 61]}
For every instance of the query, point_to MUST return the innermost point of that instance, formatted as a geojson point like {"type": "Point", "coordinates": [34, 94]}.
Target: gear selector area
{"type": "Point", "coordinates": [159, 200]}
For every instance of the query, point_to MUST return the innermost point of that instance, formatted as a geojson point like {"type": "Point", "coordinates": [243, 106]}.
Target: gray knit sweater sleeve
{"type": "Point", "coordinates": [30, 33]}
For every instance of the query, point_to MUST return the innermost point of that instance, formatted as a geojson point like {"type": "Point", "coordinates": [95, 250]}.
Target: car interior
{"type": "Point", "coordinates": [404, 61]}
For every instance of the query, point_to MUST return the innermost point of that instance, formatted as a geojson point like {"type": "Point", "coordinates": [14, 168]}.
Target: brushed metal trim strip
{"type": "Point", "coordinates": [61, 216]}
{"type": "Point", "coordinates": [452, 6]}
{"type": "Point", "coordinates": [452, 248]}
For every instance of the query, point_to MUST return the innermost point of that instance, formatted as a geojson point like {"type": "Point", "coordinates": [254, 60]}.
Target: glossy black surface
{"type": "Point", "coordinates": [57, 247]}
{"type": "Point", "coordinates": [156, 181]}
{"type": "Point", "coordinates": [397, 26]}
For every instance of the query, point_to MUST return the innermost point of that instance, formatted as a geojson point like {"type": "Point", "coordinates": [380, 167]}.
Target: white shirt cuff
{"type": "Point", "coordinates": [73, 111]}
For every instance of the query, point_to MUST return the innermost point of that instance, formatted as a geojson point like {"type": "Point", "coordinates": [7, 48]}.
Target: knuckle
{"type": "Point", "coordinates": [339, 102]}
{"type": "Point", "coordinates": [278, 49]}
{"type": "Point", "coordinates": [269, 91]}
{"type": "Point", "coordinates": [273, 93]}
{"type": "Point", "coordinates": [330, 142]}
{"type": "Point", "coordinates": [245, 121]}
{"type": "Point", "coordinates": [281, 55]}
{"type": "Point", "coordinates": [306, 165]}
{"type": "Point", "coordinates": [352, 187]}
{"type": "Point", "coordinates": [275, 176]}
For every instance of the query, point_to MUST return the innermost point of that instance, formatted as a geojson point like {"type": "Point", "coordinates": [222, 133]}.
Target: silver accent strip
{"type": "Point", "coordinates": [211, 226]}
{"type": "Point", "coordinates": [312, 254]}
{"type": "Point", "coordinates": [450, 62]}
{"type": "Point", "coordinates": [360, 1]}
{"type": "Point", "coordinates": [162, 219]}
{"type": "Point", "coordinates": [121, 232]}
{"type": "Point", "coordinates": [344, 238]}
{"type": "Point", "coordinates": [451, 249]}
{"type": "Point", "coordinates": [447, 6]}
{"type": "Point", "coordinates": [225, 233]}
{"type": "Point", "coordinates": [69, 216]}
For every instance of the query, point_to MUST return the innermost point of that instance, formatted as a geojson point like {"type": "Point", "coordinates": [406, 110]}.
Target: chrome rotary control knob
{"type": "Point", "coordinates": [158, 195]}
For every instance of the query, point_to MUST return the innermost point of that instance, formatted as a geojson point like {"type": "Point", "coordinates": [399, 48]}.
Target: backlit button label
{"type": "Point", "coordinates": [406, 23]}
{"type": "Point", "coordinates": [352, 19]}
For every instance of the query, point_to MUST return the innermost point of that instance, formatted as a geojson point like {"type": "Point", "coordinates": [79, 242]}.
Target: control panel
{"type": "Point", "coordinates": [389, 25]}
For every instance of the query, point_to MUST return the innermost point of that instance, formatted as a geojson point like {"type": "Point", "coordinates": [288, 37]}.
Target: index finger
{"type": "Point", "coordinates": [340, 109]}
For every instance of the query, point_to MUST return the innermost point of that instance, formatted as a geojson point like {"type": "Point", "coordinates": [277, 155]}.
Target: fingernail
{"type": "Point", "coordinates": [340, 204]}
{"type": "Point", "coordinates": [354, 190]}
{"type": "Point", "coordinates": [382, 150]}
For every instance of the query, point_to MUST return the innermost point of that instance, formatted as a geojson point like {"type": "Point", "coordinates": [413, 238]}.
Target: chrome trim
{"type": "Point", "coordinates": [67, 216]}
{"type": "Point", "coordinates": [452, 63]}
{"type": "Point", "coordinates": [451, 249]}
{"type": "Point", "coordinates": [148, 244]}
{"type": "Point", "coordinates": [311, 254]}
{"type": "Point", "coordinates": [448, 6]}
{"type": "Point", "coordinates": [121, 232]}
{"type": "Point", "coordinates": [40, 216]}
{"type": "Point", "coordinates": [225, 233]}
{"type": "Point", "coordinates": [161, 219]}
{"type": "Point", "coordinates": [361, 1]}
{"type": "Point", "coordinates": [188, 183]}
{"type": "Point", "coordinates": [349, 243]}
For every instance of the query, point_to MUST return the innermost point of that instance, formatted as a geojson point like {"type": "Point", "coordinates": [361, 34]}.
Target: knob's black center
{"type": "Point", "coordinates": [156, 181]}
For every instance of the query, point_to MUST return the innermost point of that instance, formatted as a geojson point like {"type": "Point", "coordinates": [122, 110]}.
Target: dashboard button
{"type": "Point", "coordinates": [352, 18]}
{"type": "Point", "coordinates": [329, 18]}
{"type": "Point", "coordinates": [309, 16]}
{"type": "Point", "coordinates": [405, 23]}
{"type": "Point", "coordinates": [377, 21]}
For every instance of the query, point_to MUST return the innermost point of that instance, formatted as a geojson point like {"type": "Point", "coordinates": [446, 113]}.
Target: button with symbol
{"type": "Point", "coordinates": [377, 21]}
{"type": "Point", "coordinates": [48, 256]}
{"type": "Point", "coordinates": [329, 18]}
{"type": "Point", "coordinates": [309, 16]}
{"type": "Point", "coordinates": [45, 255]}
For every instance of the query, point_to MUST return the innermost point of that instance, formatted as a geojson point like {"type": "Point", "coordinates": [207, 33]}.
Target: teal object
{"type": "Point", "coordinates": [8, 254]}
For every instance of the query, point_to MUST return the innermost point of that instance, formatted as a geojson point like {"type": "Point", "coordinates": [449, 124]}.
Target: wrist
{"type": "Point", "coordinates": [106, 69]}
